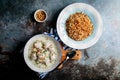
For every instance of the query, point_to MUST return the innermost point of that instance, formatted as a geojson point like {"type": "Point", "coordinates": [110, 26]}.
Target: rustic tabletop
{"type": "Point", "coordinates": [17, 25]}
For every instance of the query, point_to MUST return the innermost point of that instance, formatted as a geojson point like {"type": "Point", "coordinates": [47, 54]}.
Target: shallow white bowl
{"type": "Point", "coordinates": [27, 51]}
{"type": "Point", "coordinates": [95, 18]}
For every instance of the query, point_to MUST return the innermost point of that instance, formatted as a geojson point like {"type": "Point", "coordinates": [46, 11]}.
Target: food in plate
{"type": "Point", "coordinates": [79, 26]}
{"type": "Point", "coordinates": [43, 53]}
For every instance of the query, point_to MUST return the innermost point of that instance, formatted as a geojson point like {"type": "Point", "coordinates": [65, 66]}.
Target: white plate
{"type": "Point", "coordinates": [27, 51]}
{"type": "Point", "coordinates": [95, 18]}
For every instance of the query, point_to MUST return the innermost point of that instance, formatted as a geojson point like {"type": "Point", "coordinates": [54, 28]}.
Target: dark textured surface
{"type": "Point", "coordinates": [17, 25]}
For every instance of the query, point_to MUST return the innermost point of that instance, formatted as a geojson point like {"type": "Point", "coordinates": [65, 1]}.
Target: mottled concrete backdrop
{"type": "Point", "coordinates": [17, 25]}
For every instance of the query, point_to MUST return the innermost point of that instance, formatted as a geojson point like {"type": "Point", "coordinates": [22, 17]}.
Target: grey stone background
{"type": "Point", "coordinates": [17, 25]}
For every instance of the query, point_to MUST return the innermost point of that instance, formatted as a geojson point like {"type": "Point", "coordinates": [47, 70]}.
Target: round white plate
{"type": "Point", "coordinates": [27, 52]}
{"type": "Point", "coordinates": [95, 18]}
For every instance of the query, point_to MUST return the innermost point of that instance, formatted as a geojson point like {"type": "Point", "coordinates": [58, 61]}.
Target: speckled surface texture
{"type": "Point", "coordinates": [17, 25]}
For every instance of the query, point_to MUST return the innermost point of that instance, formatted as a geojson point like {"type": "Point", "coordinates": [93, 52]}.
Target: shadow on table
{"type": "Point", "coordinates": [15, 67]}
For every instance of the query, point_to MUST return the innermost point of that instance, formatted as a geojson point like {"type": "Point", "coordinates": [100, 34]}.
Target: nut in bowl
{"type": "Point", "coordinates": [42, 53]}
{"type": "Point", "coordinates": [40, 15]}
{"type": "Point", "coordinates": [79, 25]}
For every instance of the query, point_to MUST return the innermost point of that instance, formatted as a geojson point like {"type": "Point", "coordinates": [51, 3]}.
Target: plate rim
{"type": "Point", "coordinates": [26, 48]}
{"type": "Point", "coordinates": [99, 33]}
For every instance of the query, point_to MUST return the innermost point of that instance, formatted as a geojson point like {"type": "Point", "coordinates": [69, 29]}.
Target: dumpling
{"type": "Point", "coordinates": [38, 44]}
